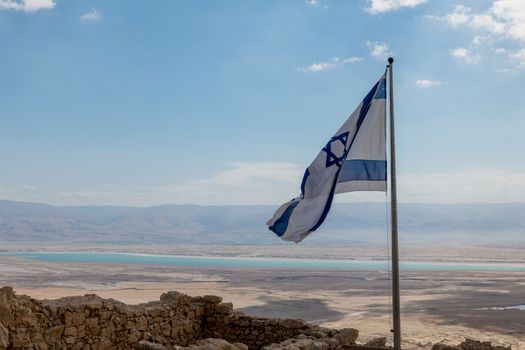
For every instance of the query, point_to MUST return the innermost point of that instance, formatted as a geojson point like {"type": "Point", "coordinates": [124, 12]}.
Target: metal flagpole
{"type": "Point", "coordinates": [395, 251]}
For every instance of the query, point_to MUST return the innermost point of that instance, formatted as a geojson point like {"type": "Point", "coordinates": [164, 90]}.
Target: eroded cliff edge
{"type": "Point", "coordinates": [176, 321]}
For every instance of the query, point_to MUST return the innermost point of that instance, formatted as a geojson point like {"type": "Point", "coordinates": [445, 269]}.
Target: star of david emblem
{"type": "Point", "coordinates": [336, 150]}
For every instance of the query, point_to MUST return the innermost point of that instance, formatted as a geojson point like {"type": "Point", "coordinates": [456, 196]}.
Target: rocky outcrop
{"type": "Point", "coordinates": [470, 344]}
{"type": "Point", "coordinates": [376, 343]}
{"type": "Point", "coordinates": [213, 344]}
{"type": "Point", "coordinates": [177, 321]}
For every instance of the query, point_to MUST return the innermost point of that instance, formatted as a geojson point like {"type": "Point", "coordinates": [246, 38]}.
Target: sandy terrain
{"type": "Point", "coordinates": [437, 306]}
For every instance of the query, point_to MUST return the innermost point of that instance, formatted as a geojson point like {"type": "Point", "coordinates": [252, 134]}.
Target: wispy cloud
{"type": "Point", "coordinates": [275, 183]}
{"type": "Point", "coordinates": [258, 183]}
{"type": "Point", "coordinates": [459, 16]}
{"type": "Point", "coordinates": [511, 13]}
{"type": "Point", "coordinates": [312, 2]}
{"type": "Point", "coordinates": [242, 183]}
{"type": "Point", "coordinates": [378, 50]}
{"type": "Point", "coordinates": [503, 20]}
{"type": "Point", "coordinates": [424, 83]}
{"type": "Point", "coordinates": [478, 40]}
{"type": "Point", "coordinates": [93, 15]}
{"type": "Point", "coordinates": [243, 173]}
{"type": "Point", "coordinates": [463, 15]}
{"type": "Point", "coordinates": [465, 55]}
{"type": "Point", "coordinates": [505, 70]}
{"type": "Point", "coordinates": [382, 6]}
{"type": "Point", "coordinates": [26, 5]}
{"type": "Point", "coordinates": [519, 57]}
{"type": "Point", "coordinates": [331, 64]}
{"type": "Point", "coordinates": [481, 186]}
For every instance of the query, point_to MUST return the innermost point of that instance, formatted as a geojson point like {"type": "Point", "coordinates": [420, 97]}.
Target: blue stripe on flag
{"type": "Point", "coordinates": [280, 225]}
{"type": "Point", "coordinates": [367, 102]}
{"type": "Point", "coordinates": [363, 169]}
{"type": "Point", "coordinates": [381, 93]}
{"type": "Point", "coordinates": [303, 183]}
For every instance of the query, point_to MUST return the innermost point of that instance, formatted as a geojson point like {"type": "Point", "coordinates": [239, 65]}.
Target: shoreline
{"type": "Point", "coordinates": [332, 263]}
{"type": "Point", "coordinates": [409, 252]}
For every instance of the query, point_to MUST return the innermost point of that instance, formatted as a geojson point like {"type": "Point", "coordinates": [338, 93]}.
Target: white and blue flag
{"type": "Point", "coordinates": [353, 160]}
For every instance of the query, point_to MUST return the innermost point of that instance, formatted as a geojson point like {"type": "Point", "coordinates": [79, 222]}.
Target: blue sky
{"type": "Point", "coordinates": [226, 102]}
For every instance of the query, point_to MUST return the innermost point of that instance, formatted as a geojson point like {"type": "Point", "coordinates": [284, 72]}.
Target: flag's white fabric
{"type": "Point", "coordinates": [353, 160]}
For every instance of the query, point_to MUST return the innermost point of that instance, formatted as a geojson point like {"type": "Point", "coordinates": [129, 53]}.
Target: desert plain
{"type": "Point", "coordinates": [437, 306]}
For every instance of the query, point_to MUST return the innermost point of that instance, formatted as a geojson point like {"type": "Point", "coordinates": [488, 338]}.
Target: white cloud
{"type": "Point", "coordinates": [488, 23]}
{"type": "Point", "coordinates": [464, 16]}
{"type": "Point", "coordinates": [244, 173]}
{"type": "Point", "coordinates": [482, 186]}
{"type": "Point", "coordinates": [476, 186]}
{"type": "Point", "coordinates": [93, 15]}
{"type": "Point", "coordinates": [424, 83]}
{"type": "Point", "coordinates": [500, 50]}
{"type": "Point", "coordinates": [465, 55]}
{"type": "Point", "coordinates": [274, 183]}
{"type": "Point", "coordinates": [503, 20]}
{"type": "Point", "coordinates": [459, 16]}
{"type": "Point", "coordinates": [378, 50]}
{"type": "Point", "coordinates": [26, 5]}
{"type": "Point", "coordinates": [312, 2]}
{"type": "Point", "coordinates": [478, 40]}
{"type": "Point", "coordinates": [519, 57]}
{"type": "Point", "coordinates": [243, 183]}
{"type": "Point", "coordinates": [504, 70]}
{"type": "Point", "coordinates": [382, 6]}
{"type": "Point", "coordinates": [512, 14]}
{"type": "Point", "coordinates": [333, 63]}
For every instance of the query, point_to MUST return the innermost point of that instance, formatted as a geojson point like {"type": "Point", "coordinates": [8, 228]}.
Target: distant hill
{"type": "Point", "coordinates": [193, 224]}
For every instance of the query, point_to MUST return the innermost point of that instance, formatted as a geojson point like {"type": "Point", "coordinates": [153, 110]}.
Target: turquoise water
{"type": "Point", "coordinates": [171, 260]}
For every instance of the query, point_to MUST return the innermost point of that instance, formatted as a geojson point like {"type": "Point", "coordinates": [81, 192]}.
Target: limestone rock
{"type": "Point", "coordinates": [377, 343]}
{"type": "Point", "coordinates": [4, 337]}
{"type": "Point", "coordinates": [224, 308]}
{"type": "Point", "coordinates": [470, 344]}
{"type": "Point", "coordinates": [213, 344]}
{"type": "Point", "coordinates": [54, 333]}
{"type": "Point", "coordinates": [6, 300]}
{"type": "Point", "coordinates": [146, 345]}
{"type": "Point", "coordinates": [347, 336]}
{"type": "Point", "coordinates": [170, 296]}
{"type": "Point", "coordinates": [92, 323]}
{"type": "Point", "coordinates": [213, 299]}
{"type": "Point", "coordinates": [6, 295]}
{"type": "Point", "coordinates": [442, 346]}
{"type": "Point", "coordinates": [292, 323]}
{"type": "Point", "coordinates": [303, 343]}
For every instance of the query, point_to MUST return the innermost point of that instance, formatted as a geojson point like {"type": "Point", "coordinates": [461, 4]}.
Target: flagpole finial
{"type": "Point", "coordinates": [390, 60]}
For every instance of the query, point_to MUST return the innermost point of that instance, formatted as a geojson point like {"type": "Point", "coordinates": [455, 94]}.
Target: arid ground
{"type": "Point", "coordinates": [436, 305]}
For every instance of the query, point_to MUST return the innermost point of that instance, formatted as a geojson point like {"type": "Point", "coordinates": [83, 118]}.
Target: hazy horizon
{"type": "Point", "coordinates": [336, 202]}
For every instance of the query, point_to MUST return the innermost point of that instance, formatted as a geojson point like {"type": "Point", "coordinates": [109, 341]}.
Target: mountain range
{"type": "Point", "coordinates": [22, 222]}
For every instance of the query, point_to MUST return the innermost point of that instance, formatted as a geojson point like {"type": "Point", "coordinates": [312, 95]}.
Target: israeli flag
{"type": "Point", "coordinates": [353, 160]}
